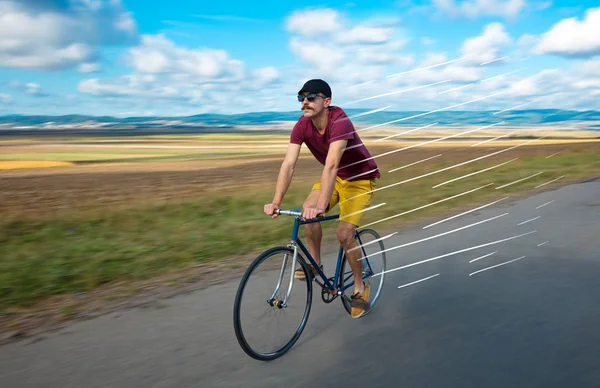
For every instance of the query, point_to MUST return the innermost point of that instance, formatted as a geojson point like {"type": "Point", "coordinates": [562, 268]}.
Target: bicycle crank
{"type": "Point", "coordinates": [328, 295]}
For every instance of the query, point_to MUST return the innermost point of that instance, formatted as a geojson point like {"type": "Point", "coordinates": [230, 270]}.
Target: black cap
{"type": "Point", "coordinates": [316, 86]}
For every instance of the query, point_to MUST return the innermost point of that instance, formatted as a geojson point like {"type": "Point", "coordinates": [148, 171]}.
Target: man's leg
{"type": "Point", "coordinates": [345, 234]}
{"type": "Point", "coordinates": [355, 197]}
{"type": "Point", "coordinates": [314, 233]}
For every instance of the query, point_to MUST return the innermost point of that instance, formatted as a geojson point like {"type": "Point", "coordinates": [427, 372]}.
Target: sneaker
{"type": "Point", "coordinates": [360, 302]}
{"type": "Point", "coordinates": [299, 273]}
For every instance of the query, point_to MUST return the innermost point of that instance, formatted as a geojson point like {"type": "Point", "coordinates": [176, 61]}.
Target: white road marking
{"type": "Point", "coordinates": [454, 253]}
{"type": "Point", "coordinates": [494, 60]}
{"type": "Point", "coordinates": [482, 257]}
{"type": "Point", "coordinates": [473, 173]}
{"type": "Point", "coordinates": [372, 242]}
{"type": "Point", "coordinates": [403, 133]}
{"type": "Point", "coordinates": [520, 180]}
{"type": "Point", "coordinates": [547, 203]}
{"type": "Point", "coordinates": [554, 180]}
{"type": "Point", "coordinates": [412, 164]}
{"type": "Point", "coordinates": [525, 222]}
{"type": "Point", "coordinates": [497, 265]}
{"type": "Point", "coordinates": [436, 236]}
{"type": "Point", "coordinates": [461, 214]}
{"type": "Point", "coordinates": [496, 138]}
{"type": "Point", "coordinates": [362, 211]}
{"type": "Point", "coordinates": [418, 281]}
{"type": "Point", "coordinates": [424, 206]}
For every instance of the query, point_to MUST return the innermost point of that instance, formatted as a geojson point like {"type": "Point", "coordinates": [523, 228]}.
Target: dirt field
{"type": "Point", "coordinates": [35, 192]}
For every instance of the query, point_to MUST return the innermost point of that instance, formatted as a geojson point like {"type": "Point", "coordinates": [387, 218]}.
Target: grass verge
{"type": "Point", "coordinates": [81, 251]}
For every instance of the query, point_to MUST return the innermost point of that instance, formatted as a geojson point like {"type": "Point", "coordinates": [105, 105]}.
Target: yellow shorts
{"type": "Point", "coordinates": [351, 210]}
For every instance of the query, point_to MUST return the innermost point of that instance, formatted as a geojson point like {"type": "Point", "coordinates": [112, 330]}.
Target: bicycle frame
{"type": "Point", "coordinates": [296, 243]}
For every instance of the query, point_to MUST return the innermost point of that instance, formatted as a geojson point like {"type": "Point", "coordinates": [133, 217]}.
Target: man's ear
{"type": "Point", "coordinates": [327, 102]}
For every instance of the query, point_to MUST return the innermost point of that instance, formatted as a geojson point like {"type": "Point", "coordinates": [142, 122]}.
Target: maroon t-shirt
{"type": "Point", "coordinates": [339, 127]}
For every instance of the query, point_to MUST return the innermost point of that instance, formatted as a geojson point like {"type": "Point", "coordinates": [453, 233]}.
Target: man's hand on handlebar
{"type": "Point", "coordinates": [271, 210]}
{"type": "Point", "coordinates": [312, 213]}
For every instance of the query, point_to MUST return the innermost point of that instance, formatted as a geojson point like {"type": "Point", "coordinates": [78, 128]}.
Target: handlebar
{"type": "Point", "coordinates": [289, 213]}
{"type": "Point", "coordinates": [298, 214]}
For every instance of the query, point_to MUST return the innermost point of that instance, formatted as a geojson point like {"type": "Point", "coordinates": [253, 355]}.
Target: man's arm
{"type": "Point", "coordinates": [332, 163]}
{"type": "Point", "coordinates": [286, 172]}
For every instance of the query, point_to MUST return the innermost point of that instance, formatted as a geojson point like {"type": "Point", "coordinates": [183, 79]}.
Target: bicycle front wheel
{"type": "Point", "coordinates": [373, 260]}
{"type": "Point", "coordinates": [271, 307]}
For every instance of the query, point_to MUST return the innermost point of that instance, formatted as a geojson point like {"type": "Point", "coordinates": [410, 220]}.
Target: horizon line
{"type": "Point", "coordinates": [287, 112]}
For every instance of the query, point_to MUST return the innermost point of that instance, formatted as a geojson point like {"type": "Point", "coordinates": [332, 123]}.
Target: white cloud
{"type": "Point", "coordinates": [338, 43]}
{"type": "Point", "coordinates": [191, 78]}
{"type": "Point", "coordinates": [94, 5]}
{"type": "Point", "coordinates": [124, 22]}
{"type": "Point", "coordinates": [6, 98]}
{"type": "Point", "coordinates": [486, 47]}
{"type": "Point", "coordinates": [575, 87]}
{"type": "Point", "coordinates": [571, 37]}
{"type": "Point", "coordinates": [122, 87]}
{"type": "Point", "coordinates": [542, 5]}
{"type": "Point", "coordinates": [58, 35]}
{"type": "Point", "coordinates": [88, 67]}
{"type": "Point", "coordinates": [324, 57]}
{"type": "Point", "coordinates": [31, 88]}
{"type": "Point", "coordinates": [364, 34]}
{"type": "Point", "coordinates": [527, 41]}
{"type": "Point", "coordinates": [47, 57]}
{"type": "Point", "coordinates": [458, 72]}
{"type": "Point", "coordinates": [267, 75]}
{"type": "Point", "coordinates": [477, 8]}
{"type": "Point", "coordinates": [353, 56]}
{"type": "Point", "coordinates": [433, 59]}
{"type": "Point", "coordinates": [157, 54]}
{"type": "Point", "coordinates": [569, 88]}
{"type": "Point", "coordinates": [314, 22]}
{"type": "Point", "coordinates": [591, 67]}
{"type": "Point", "coordinates": [377, 56]}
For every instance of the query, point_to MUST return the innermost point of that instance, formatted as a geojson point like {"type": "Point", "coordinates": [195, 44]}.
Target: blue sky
{"type": "Point", "coordinates": [131, 58]}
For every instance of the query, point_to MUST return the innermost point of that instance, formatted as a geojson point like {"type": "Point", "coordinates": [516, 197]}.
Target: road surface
{"type": "Point", "coordinates": [533, 322]}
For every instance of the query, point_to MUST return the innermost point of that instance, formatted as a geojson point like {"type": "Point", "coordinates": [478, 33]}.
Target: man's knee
{"type": "Point", "coordinates": [311, 199]}
{"type": "Point", "coordinates": [345, 233]}
{"type": "Point", "coordinates": [312, 229]}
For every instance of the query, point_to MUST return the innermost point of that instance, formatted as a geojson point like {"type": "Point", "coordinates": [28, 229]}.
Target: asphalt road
{"type": "Point", "coordinates": [533, 322]}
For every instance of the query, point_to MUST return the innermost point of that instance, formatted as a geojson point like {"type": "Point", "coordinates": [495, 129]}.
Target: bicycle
{"type": "Point", "coordinates": [278, 301]}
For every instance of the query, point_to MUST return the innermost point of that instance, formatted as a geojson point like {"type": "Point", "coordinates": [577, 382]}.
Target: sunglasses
{"type": "Point", "coordinates": [310, 97]}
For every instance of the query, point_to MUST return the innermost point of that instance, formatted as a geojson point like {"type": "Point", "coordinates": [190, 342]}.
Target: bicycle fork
{"type": "Point", "coordinates": [278, 303]}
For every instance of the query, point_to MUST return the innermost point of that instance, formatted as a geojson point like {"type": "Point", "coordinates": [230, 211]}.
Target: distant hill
{"type": "Point", "coordinates": [517, 117]}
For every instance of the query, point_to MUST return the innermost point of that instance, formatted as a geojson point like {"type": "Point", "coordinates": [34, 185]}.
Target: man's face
{"type": "Point", "coordinates": [314, 108]}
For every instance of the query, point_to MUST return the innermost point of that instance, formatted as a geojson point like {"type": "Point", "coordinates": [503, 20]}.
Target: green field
{"type": "Point", "coordinates": [133, 155]}
{"type": "Point", "coordinates": [79, 251]}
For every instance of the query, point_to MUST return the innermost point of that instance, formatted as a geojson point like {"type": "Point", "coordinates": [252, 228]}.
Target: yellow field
{"type": "Point", "coordinates": [208, 151]}
{"type": "Point", "coordinates": [19, 164]}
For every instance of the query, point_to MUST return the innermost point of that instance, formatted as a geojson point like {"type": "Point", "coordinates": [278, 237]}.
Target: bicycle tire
{"type": "Point", "coordinates": [239, 332]}
{"type": "Point", "coordinates": [346, 302]}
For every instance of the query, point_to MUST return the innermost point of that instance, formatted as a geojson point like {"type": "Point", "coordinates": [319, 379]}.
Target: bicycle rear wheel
{"type": "Point", "coordinates": [266, 329]}
{"type": "Point", "coordinates": [373, 260]}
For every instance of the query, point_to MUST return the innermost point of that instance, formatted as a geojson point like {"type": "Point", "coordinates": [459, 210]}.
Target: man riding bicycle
{"type": "Point", "coordinates": [330, 136]}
